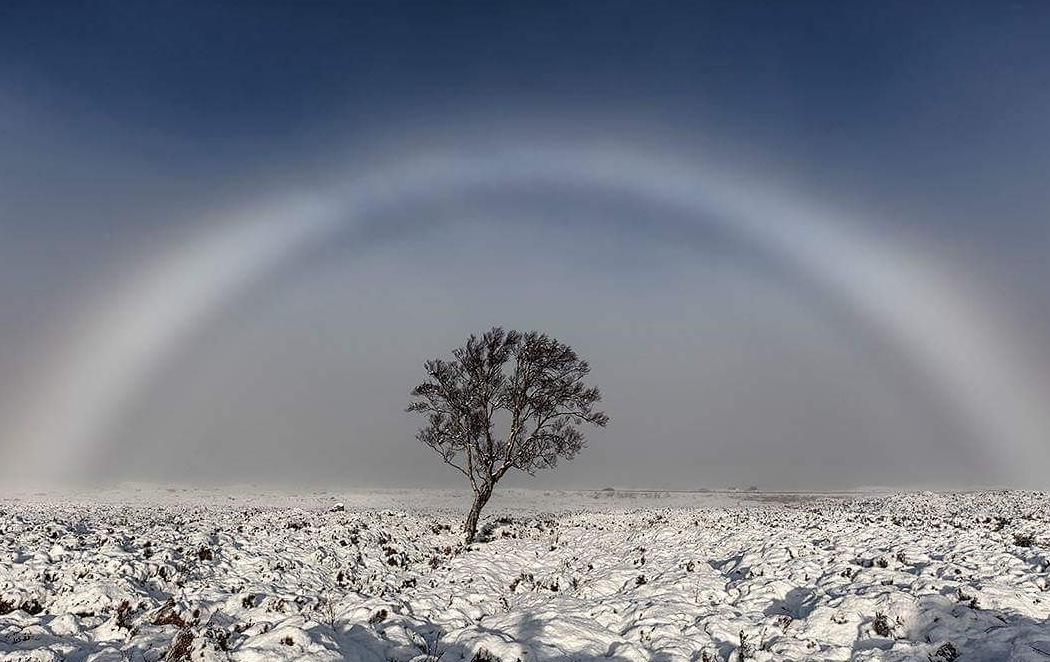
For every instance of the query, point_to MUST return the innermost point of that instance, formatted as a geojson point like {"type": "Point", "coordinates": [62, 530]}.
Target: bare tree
{"type": "Point", "coordinates": [485, 418]}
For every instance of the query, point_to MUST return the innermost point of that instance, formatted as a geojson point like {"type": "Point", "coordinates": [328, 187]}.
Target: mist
{"type": "Point", "coordinates": [863, 302]}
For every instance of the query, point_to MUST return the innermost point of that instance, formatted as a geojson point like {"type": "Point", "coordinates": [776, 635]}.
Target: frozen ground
{"type": "Point", "coordinates": [150, 575]}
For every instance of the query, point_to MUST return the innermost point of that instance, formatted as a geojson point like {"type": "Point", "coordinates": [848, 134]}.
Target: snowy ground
{"type": "Point", "coordinates": [150, 575]}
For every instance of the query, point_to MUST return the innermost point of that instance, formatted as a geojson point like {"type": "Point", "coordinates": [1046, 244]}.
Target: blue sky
{"type": "Point", "coordinates": [127, 130]}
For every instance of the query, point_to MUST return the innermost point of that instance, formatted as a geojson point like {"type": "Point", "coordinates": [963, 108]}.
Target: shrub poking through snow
{"type": "Point", "coordinates": [1024, 539]}
{"type": "Point", "coordinates": [31, 607]}
{"type": "Point", "coordinates": [483, 655]}
{"type": "Point", "coordinates": [881, 625]}
{"type": "Point", "coordinates": [124, 615]}
{"type": "Point", "coordinates": [168, 616]}
{"type": "Point", "coordinates": [946, 653]}
{"type": "Point", "coordinates": [524, 577]}
{"type": "Point", "coordinates": [378, 617]}
{"type": "Point", "coordinates": [747, 648]}
{"type": "Point", "coordinates": [180, 647]}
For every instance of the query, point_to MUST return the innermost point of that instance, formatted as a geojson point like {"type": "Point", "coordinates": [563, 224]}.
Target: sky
{"type": "Point", "coordinates": [802, 245]}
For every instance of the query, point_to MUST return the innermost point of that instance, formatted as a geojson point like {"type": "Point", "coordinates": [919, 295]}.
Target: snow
{"type": "Point", "coordinates": [146, 574]}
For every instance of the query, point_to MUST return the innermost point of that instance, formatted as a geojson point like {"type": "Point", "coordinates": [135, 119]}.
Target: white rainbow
{"type": "Point", "coordinates": [88, 388]}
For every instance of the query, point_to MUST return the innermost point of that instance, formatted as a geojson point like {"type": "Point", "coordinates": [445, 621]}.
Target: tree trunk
{"type": "Point", "coordinates": [470, 527]}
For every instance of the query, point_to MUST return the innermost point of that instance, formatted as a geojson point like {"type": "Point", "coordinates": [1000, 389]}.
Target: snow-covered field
{"type": "Point", "coordinates": [150, 575]}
